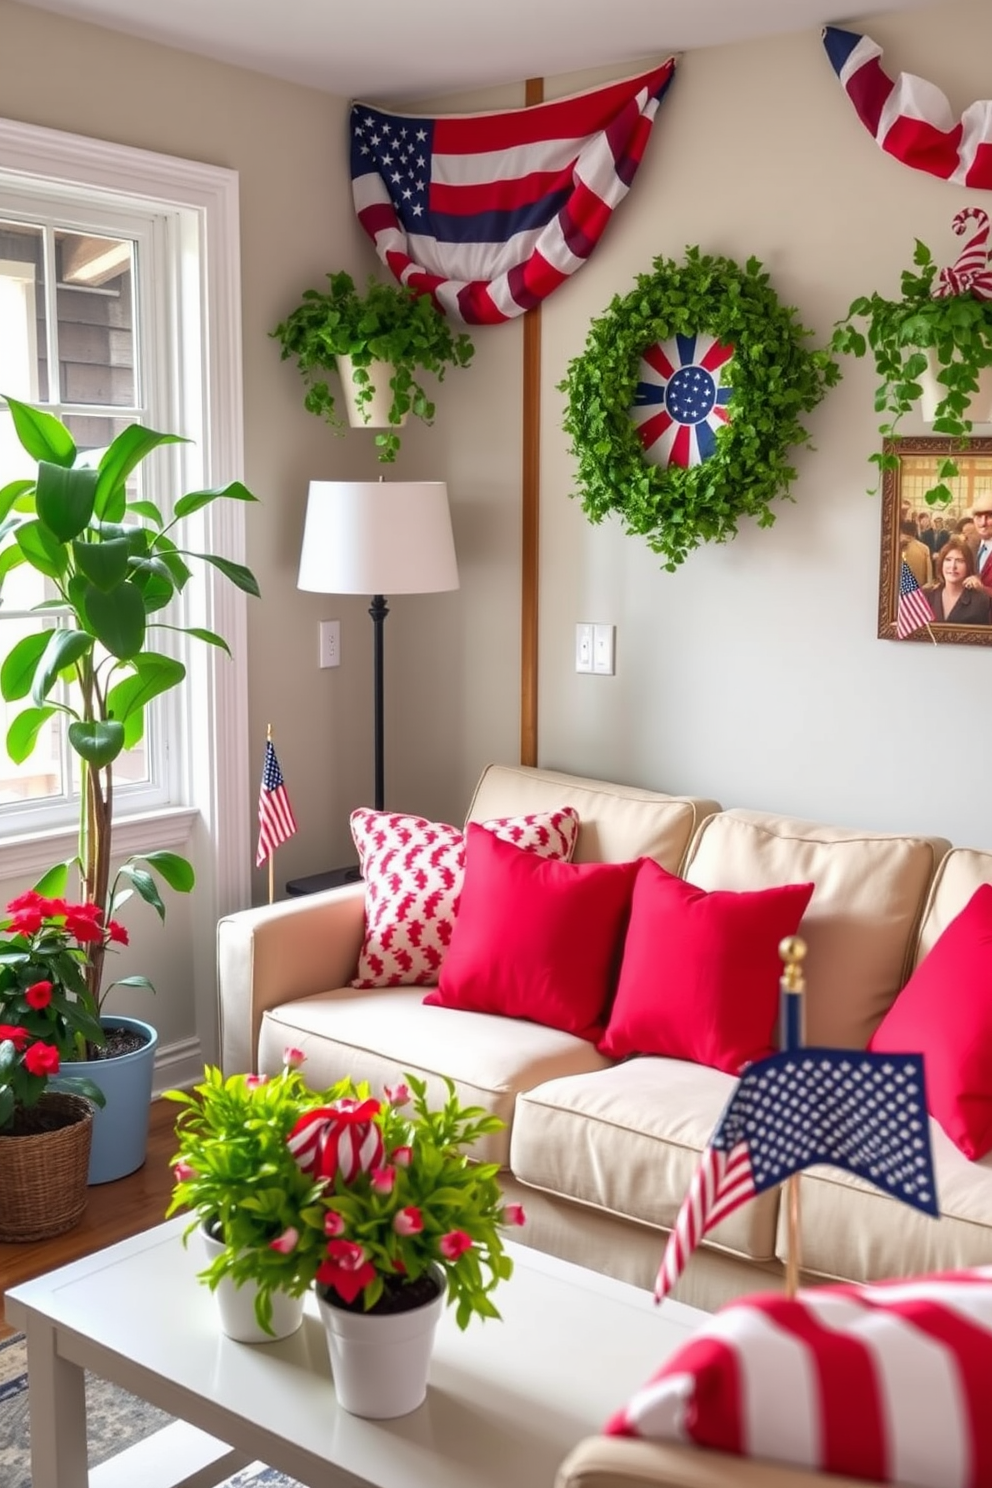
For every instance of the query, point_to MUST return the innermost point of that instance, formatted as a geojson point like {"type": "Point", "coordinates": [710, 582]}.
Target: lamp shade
{"type": "Point", "coordinates": [378, 537]}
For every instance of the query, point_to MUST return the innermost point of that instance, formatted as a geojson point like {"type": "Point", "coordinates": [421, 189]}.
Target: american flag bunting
{"type": "Point", "coordinates": [276, 822]}
{"type": "Point", "coordinates": [911, 118]}
{"type": "Point", "coordinates": [491, 212]}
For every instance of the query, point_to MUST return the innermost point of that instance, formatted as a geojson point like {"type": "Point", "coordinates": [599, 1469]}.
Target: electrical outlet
{"type": "Point", "coordinates": [330, 643]}
{"type": "Point", "coordinates": [583, 648]}
{"type": "Point", "coordinates": [604, 649]}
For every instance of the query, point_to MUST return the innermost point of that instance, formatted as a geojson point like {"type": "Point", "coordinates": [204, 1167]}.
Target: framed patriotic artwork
{"type": "Point", "coordinates": [935, 573]}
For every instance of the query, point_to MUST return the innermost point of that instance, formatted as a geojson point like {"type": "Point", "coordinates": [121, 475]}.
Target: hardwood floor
{"type": "Point", "coordinates": [114, 1211]}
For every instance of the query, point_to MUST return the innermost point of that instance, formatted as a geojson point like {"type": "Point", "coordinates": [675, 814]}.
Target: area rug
{"type": "Point", "coordinates": [115, 1420]}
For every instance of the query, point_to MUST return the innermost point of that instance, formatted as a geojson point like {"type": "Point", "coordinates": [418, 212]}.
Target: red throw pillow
{"type": "Point", "coordinates": [700, 973]}
{"type": "Point", "coordinates": [887, 1382]}
{"type": "Point", "coordinates": [413, 872]}
{"type": "Point", "coordinates": [535, 938]}
{"type": "Point", "coordinates": [944, 1012]}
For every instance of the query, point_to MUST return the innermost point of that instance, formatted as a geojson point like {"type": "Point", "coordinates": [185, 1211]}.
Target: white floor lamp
{"type": "Point", "coordinates": [378, 538]}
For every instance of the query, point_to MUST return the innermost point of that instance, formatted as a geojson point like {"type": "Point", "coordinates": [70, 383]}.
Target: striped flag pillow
{"type": "Point", "coordinates": [888, 1382]}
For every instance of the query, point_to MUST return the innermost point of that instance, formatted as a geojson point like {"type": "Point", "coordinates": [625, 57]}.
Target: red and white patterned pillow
{"type": "Point", "coordinates": [887, 1382]}
{"type": "Point", "coordinates": [413, 871]}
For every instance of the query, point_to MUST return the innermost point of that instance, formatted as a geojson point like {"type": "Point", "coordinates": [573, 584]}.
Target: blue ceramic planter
{"type": "Point", "coordinates": [120, 1128]}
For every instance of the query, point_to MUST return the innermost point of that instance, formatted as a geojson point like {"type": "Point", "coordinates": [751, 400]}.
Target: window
{"type": "Point", "coordinates": [109, 296]}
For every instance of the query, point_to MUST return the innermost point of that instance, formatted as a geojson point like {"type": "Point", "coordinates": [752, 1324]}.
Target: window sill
{"type": "Point", "coordinates": [31, 855]}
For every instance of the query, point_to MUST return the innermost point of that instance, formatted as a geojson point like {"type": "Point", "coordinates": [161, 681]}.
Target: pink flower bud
{"type": "Point", "coordinates": [397, 1095]}
{"type": "Point", "coordinates": [333, 1224]}
{"type": "Point", "coordinates": [402, 1156]}
{"type": "Point", "coordinates": [183, 1172]}
{"type": "Point", "coordinates": [293, 1058]}
{"type": "Point", "coordinates": [287, 1241]}
{"type": "Point", "coordinates": [408, 1221]}
{"type": "Point", "coordinates": [252, 1082]}
{"type": "Point", "coordinates": [454, 1244]}
{"type": "Point", "coordinates": [382, 1180]}
{"type": "Point", "coordinates": [514, 1214]}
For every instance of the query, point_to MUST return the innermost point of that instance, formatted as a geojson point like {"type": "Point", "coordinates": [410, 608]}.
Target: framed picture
{"type": "Point", "coordinates": [917, 533]}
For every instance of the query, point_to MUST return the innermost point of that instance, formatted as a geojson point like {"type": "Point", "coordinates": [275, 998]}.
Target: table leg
{"type": "Point", "coordinates": [57, 1400]}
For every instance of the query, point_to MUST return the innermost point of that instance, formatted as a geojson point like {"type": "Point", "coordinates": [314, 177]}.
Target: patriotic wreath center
{"type": "Point", "coordinates": [684, 405]}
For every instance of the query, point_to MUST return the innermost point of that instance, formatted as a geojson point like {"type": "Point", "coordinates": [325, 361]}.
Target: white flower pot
{"type": "Point", "coordinates": [980, 407]}
{"type": "Point", "coordinates": [380, 1363]}
{"type": "Point", "coordinates": [236, 1305]}
{"type": "Point", "coordinates": [374, 415]}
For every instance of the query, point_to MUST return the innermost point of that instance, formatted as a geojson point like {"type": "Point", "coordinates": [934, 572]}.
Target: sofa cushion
{"type": "Point", "coordinates": [958, 875]}
{"type": "Point", "coordinates": [862, 918]}
{"type": "Point", "coordinates": [628, 1140]}
{"type": "Point", "coordinates": [945, 1013]}
{"type": "Point", "coordinates": [619, 822]}
{"type": "Point", "coordinates": [888, 1382]}
{"type": "Point", "coordinates": [535, 938]}
{"type": "Point", "coordinates": [851, 1231]}
{"type": "Point", "coordinates": [377, 1035]}
{"type": "Point", "coordinates": [700, 972]}
{"type": "Point", "coordinates": [413, 871]}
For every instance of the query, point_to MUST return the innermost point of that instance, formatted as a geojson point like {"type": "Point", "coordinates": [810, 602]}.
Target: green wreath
{"type": "Point", "coordinates": [773, 377]}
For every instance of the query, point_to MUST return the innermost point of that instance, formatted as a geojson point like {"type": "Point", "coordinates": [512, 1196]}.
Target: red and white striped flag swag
{"type": "Point", "coordinates": [276, 822]}
{"type": "Point", "coordinates": [489, 213]}
{"type": "Point", "coordinates": [911, 118]}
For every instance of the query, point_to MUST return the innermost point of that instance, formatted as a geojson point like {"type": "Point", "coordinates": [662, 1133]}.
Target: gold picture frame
{"type": "Point", "coordinates": [903, 490]}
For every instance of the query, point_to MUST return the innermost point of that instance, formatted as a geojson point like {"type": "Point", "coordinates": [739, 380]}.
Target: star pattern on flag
{"type": "Point", "coordinates": [681, 400]}
{"type": "Point", "coordinates": [400, 150]}
{"type": "Point", "coordinates": [863, 1112]}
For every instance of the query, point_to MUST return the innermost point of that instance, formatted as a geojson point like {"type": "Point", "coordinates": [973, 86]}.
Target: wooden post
{"type": "Point", "coordinates": [530, 508]}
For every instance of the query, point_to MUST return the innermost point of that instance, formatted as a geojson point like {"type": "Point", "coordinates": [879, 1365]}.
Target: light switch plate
{"type": "Point", "coordinates": [604, 649]}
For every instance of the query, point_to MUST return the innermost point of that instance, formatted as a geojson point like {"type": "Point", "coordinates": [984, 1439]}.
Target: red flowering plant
{"type": "Point", "coordinates": [47, 1017]}
{"type": "Point", "coordinates": [374, 1200]}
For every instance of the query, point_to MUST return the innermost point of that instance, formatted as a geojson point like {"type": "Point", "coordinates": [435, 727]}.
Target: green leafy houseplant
{"type": "Point", "coordinates": [774, 379]}
{"type": "Point", "coordinates": [343, 1189]}
{"type": "Point", "coordinates": [388, 323]}
{"type": "Point", "coordinates": [113, 564]}
{"type": "Point", "coordinates": [956, 329]}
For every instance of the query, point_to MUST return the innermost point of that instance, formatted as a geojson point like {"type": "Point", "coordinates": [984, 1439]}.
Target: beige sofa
{"type": "Point", "coordinates": [601, 1154]}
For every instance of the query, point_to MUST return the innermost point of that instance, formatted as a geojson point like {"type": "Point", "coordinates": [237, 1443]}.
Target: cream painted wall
{"type": "Point", "coordinates": [753, 674]}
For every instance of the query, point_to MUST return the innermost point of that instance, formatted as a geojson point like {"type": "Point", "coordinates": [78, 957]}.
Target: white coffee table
{"type": "Point", "coordinates": [507, 1400]}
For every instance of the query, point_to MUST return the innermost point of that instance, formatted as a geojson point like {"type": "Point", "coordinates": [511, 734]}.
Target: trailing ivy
{"type": "Point", "coordinates": [774, 379]}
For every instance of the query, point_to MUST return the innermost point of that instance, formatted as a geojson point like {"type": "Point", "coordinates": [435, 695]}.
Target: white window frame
{"type": "Point", "coordinates": [216, 787]}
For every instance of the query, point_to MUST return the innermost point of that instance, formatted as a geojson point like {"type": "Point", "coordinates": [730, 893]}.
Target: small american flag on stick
{"type": "Point", "coordinates": [913, 610]}
{"type": "Point", "coordinates": [862, 1112]}
{"type": "Point", "coordinates": [276, 822]}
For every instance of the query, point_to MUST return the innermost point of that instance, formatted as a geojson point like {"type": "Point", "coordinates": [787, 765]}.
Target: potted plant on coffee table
{"type": "Point", "coordinates": [939, 329]}
{"type": "Point", "coordinates": [374, 1200]}
{"type": "Point", "coordinates": [379, 343]}
{"type": "Point", "coordinates": [112, 562]}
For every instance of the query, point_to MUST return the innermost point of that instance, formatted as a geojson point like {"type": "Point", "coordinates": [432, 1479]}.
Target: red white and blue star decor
{"type": "Point", "coordinates": [680, 401]}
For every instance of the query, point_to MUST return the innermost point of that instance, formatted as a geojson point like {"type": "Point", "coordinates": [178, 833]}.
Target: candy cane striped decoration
{"type": "Point", "coordinates": [971, 272]}
{"type": "Point", "coordinates": [339, 1138]}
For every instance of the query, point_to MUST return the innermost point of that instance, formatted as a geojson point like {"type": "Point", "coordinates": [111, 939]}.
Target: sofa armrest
{"type": "Point", "coordinates": [623, 1462]}
{"type": "Point", "coordinates": [268, 955]}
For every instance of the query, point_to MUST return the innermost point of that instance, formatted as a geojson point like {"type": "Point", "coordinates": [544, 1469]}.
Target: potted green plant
{"type": "Point", "coordinates": [43, 1013]}
{"type": "Point", "coordinates": [946, 335]}
{"type": "Point", "coordinates": [373, 1200]}
{"type": "Point", "coordinates": [113, 563]}
{"type": "Point", "coordinates": [388, 324]}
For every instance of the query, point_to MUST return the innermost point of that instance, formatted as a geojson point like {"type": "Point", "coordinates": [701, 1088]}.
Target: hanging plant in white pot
{"type": "Point", "coordinates": [932, 347]}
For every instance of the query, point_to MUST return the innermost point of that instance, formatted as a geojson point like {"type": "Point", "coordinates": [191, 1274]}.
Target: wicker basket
{"type": "Point", "coordinates": [43, 1172]}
